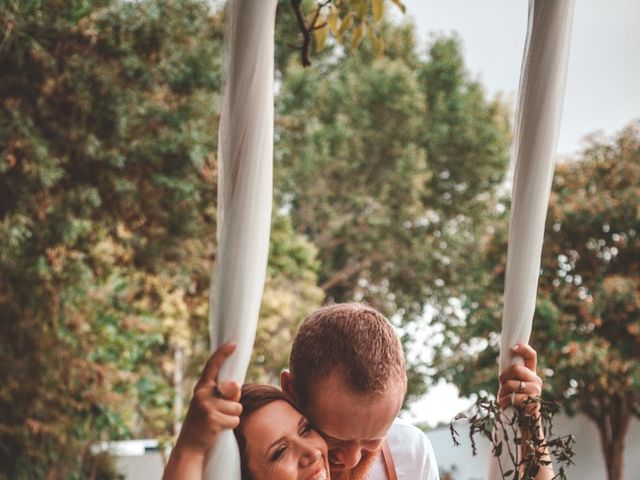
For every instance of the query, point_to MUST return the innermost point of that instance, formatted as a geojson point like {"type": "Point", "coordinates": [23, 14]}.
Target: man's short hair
{"type": "Point", "coordinates": [352, 339]}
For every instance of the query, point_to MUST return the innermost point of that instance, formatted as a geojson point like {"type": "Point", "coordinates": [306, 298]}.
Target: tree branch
{"type": "Point", "coordinates": [341, 275]}
{"type": "Point", "coordinates": [351, 268]}
{"type": "Point", "coordinates": [306, 29]}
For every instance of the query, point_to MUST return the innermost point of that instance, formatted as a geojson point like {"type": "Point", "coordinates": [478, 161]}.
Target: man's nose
{"type": "Point", "coordinates": [348, 455]}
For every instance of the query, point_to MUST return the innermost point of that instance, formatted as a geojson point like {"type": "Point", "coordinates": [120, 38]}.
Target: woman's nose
{"type": "Point", "coordinates": [309, 454]}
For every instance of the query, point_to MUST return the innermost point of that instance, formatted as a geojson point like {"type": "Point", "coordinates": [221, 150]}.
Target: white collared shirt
{"type": "Point", "coordinates": [412, 454]}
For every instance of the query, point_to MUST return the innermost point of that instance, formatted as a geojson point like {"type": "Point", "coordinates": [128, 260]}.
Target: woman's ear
{"type": "Point", "coordinates": [286, 384]}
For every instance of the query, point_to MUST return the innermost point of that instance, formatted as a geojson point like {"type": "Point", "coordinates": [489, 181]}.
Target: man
{"type": "Point", "coordinates": [347, 374]}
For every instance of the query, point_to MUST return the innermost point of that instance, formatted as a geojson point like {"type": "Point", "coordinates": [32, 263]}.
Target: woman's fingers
{"type": "Point", "coordinates": [519, 383]}
{"type": "Point", "coordinates": [230, 390]}
{"type": "Point", "coordinates": [533, 389]}
{"type": "Point", "coordinates": [208, 413]}
{"type": "Point", "coordinates": [228, 407]}
{"type": "Point", "coordinates": [205, 400]}
{"type": "Point", "coordinates": [528, 354]}
{"type": "Point", "coordinates": [220, 421]}
{"type": "Point", "coordinates": [214, 407]}
{"type": "Point", "coordinates": [519, 372]}
{"type": "Point", "coordinates": [216, 360]}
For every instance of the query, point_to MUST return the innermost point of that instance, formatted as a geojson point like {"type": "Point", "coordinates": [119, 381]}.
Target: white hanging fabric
{"type": "Point", "coordinates": [245, 157]}
{"type": "Point", "coordinates": [538, 114]}
{"type": "Point", "coordinates": [245, 172]}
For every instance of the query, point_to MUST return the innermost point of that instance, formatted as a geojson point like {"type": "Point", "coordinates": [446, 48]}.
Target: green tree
{"type": "Point", "coordinates": [108, 124]}
{"type": "Point", "coordinates": [291, 293]}
{"type": "Point", "coordinates": [587, 320]}
{"type": "Point", "coordinates": [108, 128]}
{"type": "Point", "coordinates": [388, 166]}
{"type": "Point", "coordinates": [106, 214]}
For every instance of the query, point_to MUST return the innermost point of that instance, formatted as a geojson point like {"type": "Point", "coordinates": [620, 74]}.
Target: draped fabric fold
{"type": "Point", "coordinates": [245, 171]}
{"type": "Point", "coordinates": [538, 114]}
{"type": "Point", "coordinates": [245, 161]}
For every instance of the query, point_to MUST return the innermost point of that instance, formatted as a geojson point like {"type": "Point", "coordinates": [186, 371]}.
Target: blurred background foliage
{"type": "Point", "coordinates": [587, 320]}
{"type": "Point", "coordinates": [107, 215]}
{"type": "Point", "coordinates": [390, 166]}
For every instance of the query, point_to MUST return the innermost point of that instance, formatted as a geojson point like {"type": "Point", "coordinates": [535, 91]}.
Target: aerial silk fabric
{"type": "Point", "coordinates": [245, 185]}
{"type": "Point", "coordinates": [245, 173]}
{"type": "Point", "coordinates": [538, 113]}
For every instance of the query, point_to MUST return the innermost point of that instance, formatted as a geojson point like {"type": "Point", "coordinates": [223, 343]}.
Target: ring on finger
{"type": "Point", "coordinates": [512, 396]}
{"type": "Point", "coordinates": [521, 387]}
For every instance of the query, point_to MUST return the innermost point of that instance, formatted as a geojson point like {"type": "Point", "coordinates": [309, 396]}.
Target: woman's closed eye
{"type": "Point", "coordinates": [305, 429]}
{"type": "Point", "coordinates": [278, 452]}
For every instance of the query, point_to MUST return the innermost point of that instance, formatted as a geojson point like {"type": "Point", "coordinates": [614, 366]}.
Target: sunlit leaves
{"type": "Point", "coordinates": [321, 34]}
{"type": "Point", "coordinates": [346, 22]}
{"type": "Point", "coordinates": [377, 10]}
{"type": "Point", "coordinates": [358, 34]}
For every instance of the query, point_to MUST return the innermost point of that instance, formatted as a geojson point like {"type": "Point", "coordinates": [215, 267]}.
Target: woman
{"type": "Point", "coordinates": [275, 440]}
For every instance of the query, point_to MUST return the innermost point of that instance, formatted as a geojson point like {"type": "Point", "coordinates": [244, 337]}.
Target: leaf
{"type": "Point", "coordinates": [358, 34]}
{"type": "Point", "coordinates": [346, 25]}
{"type": "Point", "coordinates": [376, 40]}
{"type": "Point", "coordinates": [498, 450]}
{"type": "Point", "coordinates": [400, 5]}
{"type": "Point", "coordinates": [320, 35]}
{"type": "Point", "coordinates": [363, 8]}
{"type": "Point", "coordinates": [377, 8]}
{"type": "Point", "coordinates": [333, 20]}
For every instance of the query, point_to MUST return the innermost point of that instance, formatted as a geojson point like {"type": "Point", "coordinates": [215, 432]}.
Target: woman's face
{"type": "Point", "coordinates": [282, 445]}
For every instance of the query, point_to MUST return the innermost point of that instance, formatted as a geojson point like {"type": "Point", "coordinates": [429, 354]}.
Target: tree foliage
{"type": "Point", "coordinates": [108, 127]}
{"type": "Point", "coordinates": [388, 166]}
{"type": "Point", "coordinates": [587, 320]}
{"type": "Point", "coordinates": [106, 218]}
{"type": "Point", "coordinates": [107, 221]}
{"type": "Point", "coordinates": [346, 22]}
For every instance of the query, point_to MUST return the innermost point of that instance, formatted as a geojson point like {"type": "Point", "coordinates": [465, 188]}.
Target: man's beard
{"type": "Point", "coordinates": [359, 472]}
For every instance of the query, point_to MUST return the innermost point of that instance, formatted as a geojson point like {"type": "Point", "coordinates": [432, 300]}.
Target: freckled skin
{"type": "Point", "coordinates": [353, 424]}
{"type": "Point", "coordinates": [282, 446]}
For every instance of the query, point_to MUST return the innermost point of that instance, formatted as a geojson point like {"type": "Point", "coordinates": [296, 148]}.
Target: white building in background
{"type": "Point", "coordinates": [140, 459]}
{"type": "Point", "coordinates": [588, 459]}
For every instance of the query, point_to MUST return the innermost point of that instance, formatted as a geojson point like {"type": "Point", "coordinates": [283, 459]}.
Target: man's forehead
{"type": "Point", "coordinates": [342, 415]}
{"type": "Point", "coordinates": [334, 388]}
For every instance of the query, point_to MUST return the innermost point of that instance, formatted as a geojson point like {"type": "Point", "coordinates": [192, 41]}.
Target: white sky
{"type": "Point", "coordinates": [603, 83]}
{"type": "Point", "coordinates": [602, 93]}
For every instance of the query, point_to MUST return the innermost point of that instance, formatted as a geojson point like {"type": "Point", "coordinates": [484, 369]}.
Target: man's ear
{"type": "Point", "coordinates": [286, 383]}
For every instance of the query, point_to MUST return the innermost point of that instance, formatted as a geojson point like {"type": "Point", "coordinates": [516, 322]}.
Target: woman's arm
{"type": "Point", "coordinates": [214, 407]}
{"type": "Point", "coordinates": [518, 384]}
